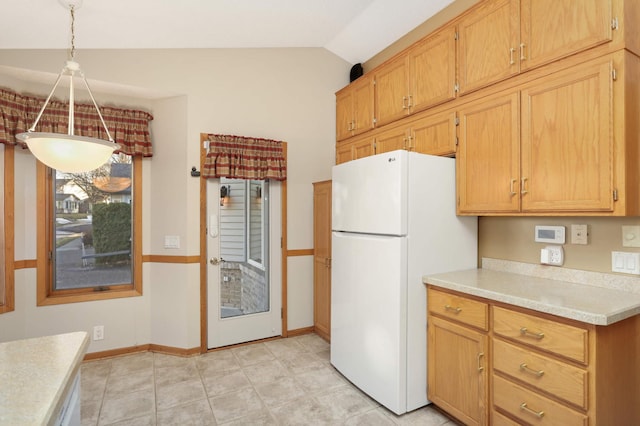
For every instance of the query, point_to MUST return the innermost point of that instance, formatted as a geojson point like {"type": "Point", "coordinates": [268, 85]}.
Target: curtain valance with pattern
{"type": "Point", "coordinates": [239, 157]}
{"type": "Point", "coordinates": [129, 128]}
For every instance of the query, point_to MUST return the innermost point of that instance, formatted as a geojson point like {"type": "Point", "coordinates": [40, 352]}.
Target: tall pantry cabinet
{"type": "Point", "coordinates": [322, 259]}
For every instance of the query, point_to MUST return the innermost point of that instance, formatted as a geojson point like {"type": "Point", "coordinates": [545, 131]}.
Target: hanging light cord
{"type": "Point", "coordinates": [73, 32]}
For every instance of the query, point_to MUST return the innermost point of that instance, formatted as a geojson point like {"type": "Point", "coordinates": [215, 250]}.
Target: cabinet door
{"type": "Point", "coordinates": [432, 70]}
{"type": "Point", "coordinates": [567, 142]}
{"type": "Point", "coordinates": [435, 134]}
{"type": "Point", "coordinates": [344, 113]}
{"type": "Point", "coordinates": [551, 29]}
{"type": "Point", "coordinates": [362, 105]}
{"type": "Point", "coordinates": [488, 158]}
{"type": "Point", "coordinates": [391, 91]}
{"type": "Point", "coordinates": [344, 152]}
{"type": "Point", "coordinates": [396, 137]}
{"type": "Point", "coordinates": [488, 44]}
{"type": "Point", "coordinates": [457, 370]}
{"type": "Point", "coordinates": [363, 147]}
{"type": "Point", "coordinates": [322, 258]}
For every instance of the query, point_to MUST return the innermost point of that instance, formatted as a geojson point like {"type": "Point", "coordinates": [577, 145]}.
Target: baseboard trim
{"type": "Point", "coordinates": [300, 331]}
{"type": "Point", "coordinates": [170, 350]}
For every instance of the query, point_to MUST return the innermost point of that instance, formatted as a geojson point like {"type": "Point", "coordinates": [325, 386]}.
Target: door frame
{"type": "Point", "coordinates": [203, 249]}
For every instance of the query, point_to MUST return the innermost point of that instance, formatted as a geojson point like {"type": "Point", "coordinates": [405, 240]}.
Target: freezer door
{"type": "Point", "coordinates": [370, 194]}
{"type": "Point", "coordinates": [368, 315]}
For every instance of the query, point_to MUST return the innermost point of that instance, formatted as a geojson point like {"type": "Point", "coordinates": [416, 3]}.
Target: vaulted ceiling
{"type": "Point", "coordinates": [353, 29]}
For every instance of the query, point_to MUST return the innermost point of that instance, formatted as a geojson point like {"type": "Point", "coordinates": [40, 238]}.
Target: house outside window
{"type": "Point", "coordinates": [91, 223]}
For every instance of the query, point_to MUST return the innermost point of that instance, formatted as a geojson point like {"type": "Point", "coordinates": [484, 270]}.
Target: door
{"type": "Point", "coordinates": [457, 377]}
{"type": "Point", "coordinates": [322, 259]}
{"type": "Point", "coordinates": [391, 91]}
{"type": "Point", "coordinates": [244, 274]}
{"type": "Point", "coordinates": [369, 195]}
{"type": "Point", "coordinates": [567, 141]}
{"type": "Point", "coordinates": [488, 159]}
{"type": "Point", "coordinates": [488, 44]}
{"type": "Point", "coordinates": [369, 314]}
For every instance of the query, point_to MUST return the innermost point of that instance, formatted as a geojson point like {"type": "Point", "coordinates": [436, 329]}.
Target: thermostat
{"type": "Point", "coordinates": [550, 234]}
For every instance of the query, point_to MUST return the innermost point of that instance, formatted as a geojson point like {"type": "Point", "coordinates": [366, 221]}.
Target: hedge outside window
{"type": "Point", "coordinates": [91, 223]}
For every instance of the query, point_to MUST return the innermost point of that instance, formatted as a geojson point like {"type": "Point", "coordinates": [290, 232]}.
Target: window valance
{"type": "Point", "coordinates": [129, 128]}
{"type": "Point", "coordinates": [239, 157]}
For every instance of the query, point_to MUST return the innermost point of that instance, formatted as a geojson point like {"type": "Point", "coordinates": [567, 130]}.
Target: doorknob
{"type": "Point", "coordinates": [216, 261]}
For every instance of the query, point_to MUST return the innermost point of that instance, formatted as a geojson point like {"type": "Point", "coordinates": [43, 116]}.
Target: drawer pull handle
{"type": "Point", "coordinates": [452, 309]}
{"type": "Point", "coordinates": [538, 414]}
{"type": "Point", "coordinates": [480, 367]}
{"type": "Point", "coordinates": [525, 367]}
{"type": "Point", "coordinates": [527, 333]}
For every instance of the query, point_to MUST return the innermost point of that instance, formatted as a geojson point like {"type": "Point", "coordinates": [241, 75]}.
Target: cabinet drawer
{"type": "Point", "coordinates": [498, 419]}
{"type": "Point", "coordinates": [554, 377]}
{"type": "Point", "coordinates": [531, 407]}
{"type": "Point", "coordinates": [562, 339]}
{"type": "Point", "coordinates": [459, 308]}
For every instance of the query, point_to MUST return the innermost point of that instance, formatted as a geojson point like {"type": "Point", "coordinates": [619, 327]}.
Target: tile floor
{"type": "Point", "coordinates": [280, 382]}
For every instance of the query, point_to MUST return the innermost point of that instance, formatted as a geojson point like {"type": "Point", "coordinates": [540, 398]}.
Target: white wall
{"type": "Point", "coordinates": [282, 94]}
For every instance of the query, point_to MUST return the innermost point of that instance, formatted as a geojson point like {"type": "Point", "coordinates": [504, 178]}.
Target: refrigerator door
{"type": "Point", "coordinates": [368, 315]}
{"type": "Point", "coordinates": [370, 194]}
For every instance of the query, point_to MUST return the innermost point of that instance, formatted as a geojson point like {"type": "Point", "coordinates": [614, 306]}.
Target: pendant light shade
{"type": "Point", "coordinates": [68, 152]}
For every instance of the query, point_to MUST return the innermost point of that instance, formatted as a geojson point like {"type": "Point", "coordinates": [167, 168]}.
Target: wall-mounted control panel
{"type": "Point", "coordinates": [550, 234]}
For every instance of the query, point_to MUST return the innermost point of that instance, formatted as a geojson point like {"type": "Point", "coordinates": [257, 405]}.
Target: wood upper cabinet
{"type": "Point", "coordinates": [421, 77]}
{"type": "Point", "coordinates": [435, 133]}
{"type": "Point", "coordinates": [551, 147]}
{"type": "Point", "coordinates": [354, 148]}
{"type": "Point", "coordinates": [322, 259]}
{"type": "Point", "coordinates": [487, 41]}
{"type": "Point", "coordinates": [488, 158]}
{"type": "Point", "coordinates": [504, 37]}
{"type": "Point", "coordinates": [567, 144]}
{"type": "Point", "coordinates": [552, 29]}
{"type": "Point", "coordinates": [428, 133]}
{"type": "Point", "coordinates": [354, 108]}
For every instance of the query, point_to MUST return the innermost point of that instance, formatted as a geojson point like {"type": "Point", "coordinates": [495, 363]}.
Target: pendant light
{"type": "Point", "coordinates": [68, 152]}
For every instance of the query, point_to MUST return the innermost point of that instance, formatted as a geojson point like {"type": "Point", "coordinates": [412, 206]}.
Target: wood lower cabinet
{"type": "Point", "coordinates": [322, 259]}
{"type": "Point", "coordinates": [457, 357]}
{"type": "Point", "coordinates": [544, 370]}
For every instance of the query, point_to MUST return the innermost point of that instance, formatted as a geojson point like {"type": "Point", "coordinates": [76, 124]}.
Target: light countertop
{"type": "Point", "coordinates": [586, 303]}
{"type": "Point", "coordinates": [35, 376]}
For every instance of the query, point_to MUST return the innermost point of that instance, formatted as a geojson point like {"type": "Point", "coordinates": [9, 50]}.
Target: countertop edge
{"type": "Point", "coordinates": [59, 399]}
{"type": "Point", "coordinates": [597, 319]}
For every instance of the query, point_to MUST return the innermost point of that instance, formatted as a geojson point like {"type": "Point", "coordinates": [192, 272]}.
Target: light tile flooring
{"type": "Point", "coordinates": [280, 382]}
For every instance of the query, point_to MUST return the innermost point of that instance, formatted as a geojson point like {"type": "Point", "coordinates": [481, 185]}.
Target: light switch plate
{"type": "Point", "coordinates": [627, 263]}
{"type": "Point", "coordinates": [171, 242]}
{"type": "Point", "coordinates": [631, 236]}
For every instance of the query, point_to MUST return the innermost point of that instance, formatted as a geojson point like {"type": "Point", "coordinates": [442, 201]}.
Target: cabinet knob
{"type": "Point", "coordinates": [511, 52]}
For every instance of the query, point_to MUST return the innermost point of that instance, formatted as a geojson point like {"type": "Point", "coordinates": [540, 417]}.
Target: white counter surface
{"type": "Point", "coordinates": [586, 303]}
{"type": "Point", "coordinates": [35, 376]}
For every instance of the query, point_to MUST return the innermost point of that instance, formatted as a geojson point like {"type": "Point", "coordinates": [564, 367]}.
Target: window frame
{"type": "Point", "coordinates": [7, 304]}
{"type": "Point", "coordinates": [46, 295]}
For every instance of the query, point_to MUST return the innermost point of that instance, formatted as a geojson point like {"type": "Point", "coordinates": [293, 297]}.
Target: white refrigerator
{"type": "Point", "coordinates": [394, 221]}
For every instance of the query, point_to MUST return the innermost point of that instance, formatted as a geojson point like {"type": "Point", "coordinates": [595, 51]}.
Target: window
{"type": "Point", "coordinates": [258, 223]}
{"type": "Point", "coordinates": [244, 221]}
{"type": "Point", "coordinates": [91, 248]}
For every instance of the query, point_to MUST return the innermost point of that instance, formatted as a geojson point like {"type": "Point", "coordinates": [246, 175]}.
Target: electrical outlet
{"type": "Point", "coordinates": [98, 332]}
{"type": "Point", "coordinates": [552, 255]}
